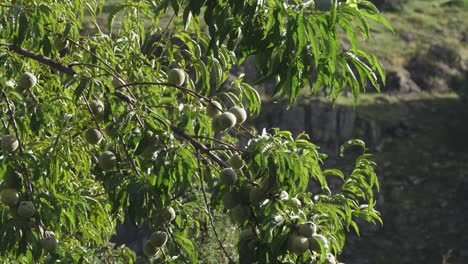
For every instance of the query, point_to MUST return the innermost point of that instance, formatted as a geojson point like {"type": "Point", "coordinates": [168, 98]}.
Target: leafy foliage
{"type": "Point", "coordinates": [166, 149]}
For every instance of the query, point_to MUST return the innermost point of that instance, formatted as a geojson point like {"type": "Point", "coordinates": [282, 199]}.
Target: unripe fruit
{"type": "Point", "coordinates": [14, 213]}
{"type": "Point", "coordinates": [49, 242]}
{"type": "Point", "coordinates": [246, 234]}
{"type": "Point", "coordinates": [240, 214]}
{"type": "Point", "coordinates": [9, 143]}
{"type": "Point", "coordinates": [244, 193]}
{"type": "Point", "coordinates": [149, 250]}
{"type": "Point", "coordinates": [148, 153]}
{"type": "Point", "coordinates": [169, 214]}
{"type": "Point", "coordinates": [10, 197]}
{"type": "Point", "coordinates": [27, 80]}
{"type": "Point", "coordinates": [60, 43]}
{"type": "Point", "coordinates": [147, 146]}
{"type": "Point", "coordinates": [252, 245]}
{"type": "Point", "coordinates": [314, 244]}
{"type": "Point", "coordinates": [50, 259]}
{"type": "Point", "coordinates": [97, 107]}
{"type": "Point", "coordinates": [307, 229]}
{"type": "Point", "coordinates": [109, 130]}
{"type": "Point", "coordinates": [107, 160]}
{"type": "Point", "coordinates": [240, 113]}
{"type": "Point", "coordinates": [12, 180]}
{"type": "Point", "coordinates": [26, 209]}
{"type": "Point", "coordinates": [256, 195]}
{"type": "Point", "coordinates": [212, 109]}
{"type": "Point", "coordinates": [230, 200]}
{"type": "Point", "coordinates": [176, 76]}
{"type": "Point", "coordinates": [93, 136]}
{"type": "Point", "coordinates": [223, 121]}
{"type": "Point", "coordinates": [236, 162]}
{"type": "Point", "coordinates": [228, 176]}
{"type": "Point", "coordinates": [158, 238]}
{"type": "Point", "coordinates": [298, 244]}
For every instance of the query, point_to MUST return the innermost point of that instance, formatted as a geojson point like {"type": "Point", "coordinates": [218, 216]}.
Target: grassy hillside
{"type": "Point", "coordinates": [419, 25]}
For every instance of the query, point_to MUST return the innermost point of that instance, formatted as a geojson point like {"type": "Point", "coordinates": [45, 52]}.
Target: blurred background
{"type": "Point", "coordinates": [416, 127]}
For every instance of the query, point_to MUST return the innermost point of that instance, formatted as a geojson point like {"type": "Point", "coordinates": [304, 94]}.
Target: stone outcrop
{"type": "Point", "coordinates": [421, 150]}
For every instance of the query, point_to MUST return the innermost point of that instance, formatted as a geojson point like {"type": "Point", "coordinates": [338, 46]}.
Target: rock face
{"type": "Point", "coordinates": [326, 124]}
{"type": "Point", "coordinates": [400, 81]}
{"type": "Point", "coordinates": [435, 69]}
{"type": "Point", "coordinates": [441, 68]}
{"type": "Point", "coordinates": [421, 150]}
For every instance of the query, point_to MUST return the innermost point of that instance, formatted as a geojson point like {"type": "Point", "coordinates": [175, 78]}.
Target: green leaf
{"type": "Point", "coordinates": [115, 10]}
{"type": "Point", "coordinates": [379, 18]}
{"type": "Point", "coordinates": [334, 172]}
{"type": "Point", "coordinates": [347, 26]}
{"type": "Point", "coordinates": [23, 26]}
{"type": "Point", "coordinates": [351, 143]}
{"type": "Point", "coordinates": [188, 246]}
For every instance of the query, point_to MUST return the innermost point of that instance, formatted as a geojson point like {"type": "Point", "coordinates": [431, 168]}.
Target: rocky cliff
{"type": "Point", "coordinates": [420, 145]}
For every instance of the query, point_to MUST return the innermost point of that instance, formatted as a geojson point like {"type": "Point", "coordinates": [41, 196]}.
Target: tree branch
{"type": "Point", "coordinates": [40, 58]}
{"type": "Point", "coordinates": [199, 146]}
{"type": "Point", "coordinates": [68, 70]}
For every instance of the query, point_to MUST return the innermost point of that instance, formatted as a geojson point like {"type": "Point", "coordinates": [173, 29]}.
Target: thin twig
{"type": "Point", "coordinates": [198, 96]}
{"type": "Point", "coordinates": [218, 141]}
{"type": "Point", "coordinates": [115, 74]}
{"type": "Point", "coordinates": [93, 116]}
{"type": "Point", "coordinates": [117, 93]}
{"type": "Point", "coordinates": [221, 148]}
{"type": "Point", "coordinates": [90, 64]}
{"type": "Point", "coordinates": [179, 248]}
{"type": "Point", "coordinates": [183, 89]}
{"type": "Point", "coordinates": [208, 209]}
{"type": "Point", "coordinates": [199, 146]}
{"type": "Point", "coordinates": [127, 153]}
{"type": "Point", "coordinates": [129, 158]}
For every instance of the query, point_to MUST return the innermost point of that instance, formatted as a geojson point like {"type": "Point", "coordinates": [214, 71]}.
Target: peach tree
{"type": "Point", "coordinates": [138, 112]}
